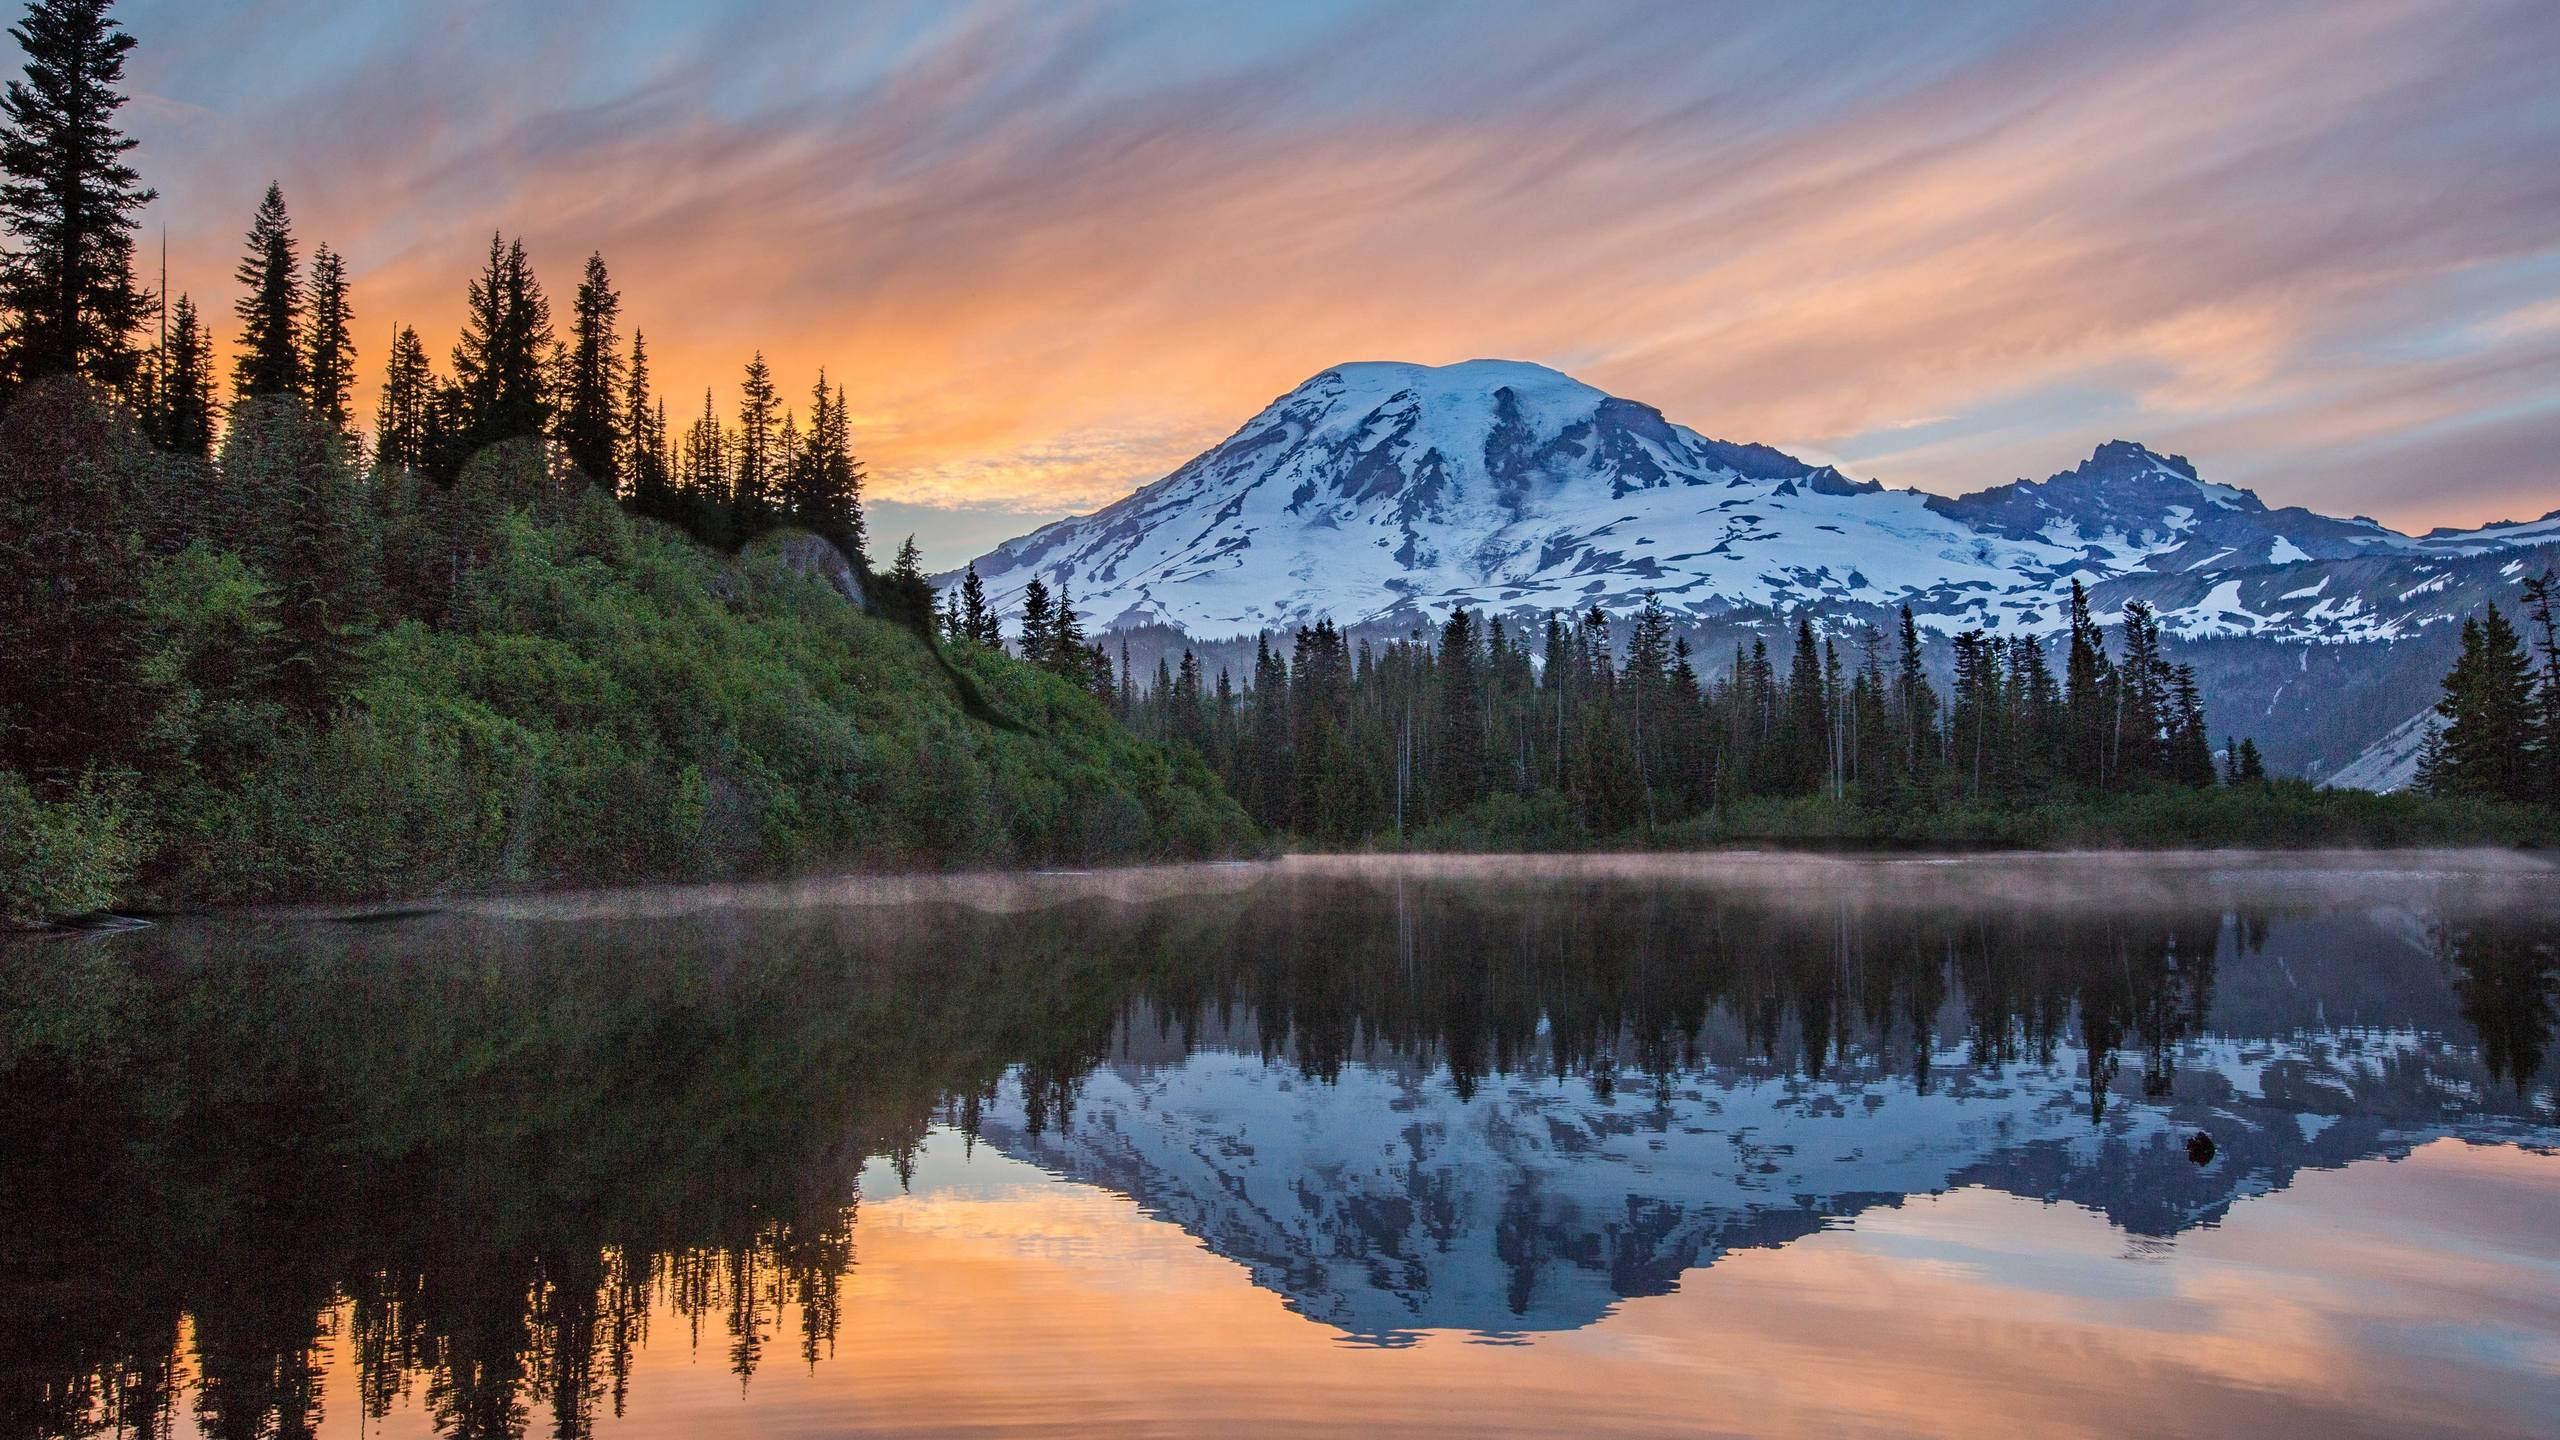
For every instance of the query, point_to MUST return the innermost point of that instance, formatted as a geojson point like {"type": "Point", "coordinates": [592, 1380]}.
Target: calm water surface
{"type": "Point", "coordinates": [1752, 1145]}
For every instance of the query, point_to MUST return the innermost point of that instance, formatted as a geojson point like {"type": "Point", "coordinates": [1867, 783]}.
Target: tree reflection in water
{"type": "Point", "coordinates": [491, 1150]}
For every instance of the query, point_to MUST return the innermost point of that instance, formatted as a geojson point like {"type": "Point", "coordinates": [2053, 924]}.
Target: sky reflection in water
{"type": "Point", "coordinates": [1796, 1148]}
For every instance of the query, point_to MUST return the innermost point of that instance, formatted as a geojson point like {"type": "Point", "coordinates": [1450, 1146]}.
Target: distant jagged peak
{"type": "Point", "coordinates": [2132, 457]}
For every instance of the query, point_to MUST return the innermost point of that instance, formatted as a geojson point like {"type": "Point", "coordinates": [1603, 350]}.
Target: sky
{"type": "Point", "coordinates": [1056, 249]}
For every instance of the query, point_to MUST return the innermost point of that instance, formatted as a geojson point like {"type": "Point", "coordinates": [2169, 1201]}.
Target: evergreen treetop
{"type": "Point", "coordinates": [270, 361]}
{"type": "Point", "coordinates": [69, 201]}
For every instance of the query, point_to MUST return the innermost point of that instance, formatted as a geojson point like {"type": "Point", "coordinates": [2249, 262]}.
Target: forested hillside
{"type": "Point", "coordinates": [244, 655]}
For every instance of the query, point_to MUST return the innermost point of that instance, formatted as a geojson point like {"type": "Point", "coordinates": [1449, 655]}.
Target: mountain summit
{"type": "Point", "coordinates": [1386, 494]}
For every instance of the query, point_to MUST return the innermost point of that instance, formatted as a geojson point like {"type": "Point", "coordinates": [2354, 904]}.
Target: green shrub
{"type": "Point", "coordinates": [64, 857]}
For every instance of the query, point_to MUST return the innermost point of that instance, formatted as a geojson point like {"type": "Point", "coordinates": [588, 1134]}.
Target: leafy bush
{"type": "Point", "coordinates": [63, 857]}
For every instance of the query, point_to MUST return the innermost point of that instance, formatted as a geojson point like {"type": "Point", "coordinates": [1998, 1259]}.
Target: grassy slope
{"type": "Point", "coordinates": [615, 703]}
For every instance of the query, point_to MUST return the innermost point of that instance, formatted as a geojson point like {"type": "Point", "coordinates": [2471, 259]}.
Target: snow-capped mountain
{"type": "Point", "coordinates": [1385, 1202]}
{"type": "Point", "coordinates": [1380, 493]}
{"type": "Point", "coordinates": [1384, 495]}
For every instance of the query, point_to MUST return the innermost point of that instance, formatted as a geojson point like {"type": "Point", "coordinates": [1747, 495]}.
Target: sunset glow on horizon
{"type": "Point", "coordinates": [994, 1299]}
{"type": "Point", "coordinates": [1055, 251]}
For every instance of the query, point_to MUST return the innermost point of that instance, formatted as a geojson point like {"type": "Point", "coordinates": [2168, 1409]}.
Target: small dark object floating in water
{"type": "Point", "coordinates": [2200, 1148]}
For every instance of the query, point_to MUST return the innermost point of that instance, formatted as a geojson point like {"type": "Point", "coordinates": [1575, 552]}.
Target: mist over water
{"type": "Point", "coordinates": [1321, 1143]}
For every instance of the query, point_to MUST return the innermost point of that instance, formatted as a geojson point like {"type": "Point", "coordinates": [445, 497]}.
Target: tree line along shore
{"type": "Point", "coordinates": [520, 633]}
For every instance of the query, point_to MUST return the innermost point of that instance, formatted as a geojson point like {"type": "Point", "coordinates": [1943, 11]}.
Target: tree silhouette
{"type": "Point", "coordinates": [330, 367]}
{"type": "Point", "coordinates": [270, 361]}
{"type": "Point", "coordinates": [69, 201]}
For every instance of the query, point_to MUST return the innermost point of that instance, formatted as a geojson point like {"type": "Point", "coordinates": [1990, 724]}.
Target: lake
{"type": "Point", "coordinates": [1744, 1144]}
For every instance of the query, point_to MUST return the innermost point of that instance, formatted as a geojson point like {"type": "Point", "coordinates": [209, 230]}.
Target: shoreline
{"type": "Point", "coordinates": [1007, 891]}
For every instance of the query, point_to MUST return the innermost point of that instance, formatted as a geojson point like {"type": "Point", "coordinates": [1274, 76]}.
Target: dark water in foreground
{"type": "Point", "coordinates": [1762, 1146]}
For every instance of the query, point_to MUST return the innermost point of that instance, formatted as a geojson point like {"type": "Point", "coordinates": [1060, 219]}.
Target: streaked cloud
{"type": "Point", "coordinates": [1055, 250]}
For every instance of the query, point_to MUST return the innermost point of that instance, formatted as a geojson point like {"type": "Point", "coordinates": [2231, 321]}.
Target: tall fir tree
{"type": "Point", "coordinates": [405, 414]}
{"type": "Point", "coordinates": [69, 201]}
{"type": "Point", "coordinates": [593, 405]}
{"type": "Point", "coordinates": [2190, 758]}
{"type": "Point", "coordinates": [756, 480]}
{"type": "Point", "coordinates": [841, 480]}
{"type": "Point", "coordinates": [1039, 622]}
{"type": "Point", "coordinates": [1459, 775]}
{"type": "Point", "coordinates": [704, 461]}
{"type": "Point", "coordinates": [1915, 707]}
{"type": "Point", "coordinates": [905, 595]}
{"type": "Point", "coordinates": [977, 621]}
{"type": "Point", "coordinates": [501, 365]}
{"type": "Point", "coordinates": [1804, 725]}
{"type": "Point", "coordinates": [821, 481]}
{"type": "Point", "coordinates": [183, 405]}
{"type": "Point", "coordinates": [2088, 703]}
{"type": "Point", "coordinates": [329, 364]}
{"type": "Point", "coordinates": [646, 473]}
{"type": "Point", "coordinates": [1066, 637]}
{"type": "Point", "coordinates": [2141, 699]}
{"type": "Point", "coordinates": [270, 361]}
{"type": "Point", "coordinates": [2488, 709]}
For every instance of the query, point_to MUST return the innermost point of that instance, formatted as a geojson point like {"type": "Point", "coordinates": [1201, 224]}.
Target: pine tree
{"type": "Point", "coordinates": [594, 404]}
{"type": "Point", "coordinates": [2088, 703]}
{"type": "Point", "coordinates": [2190, 747]}
{"type": "Point", "coordinates": [1039, 622]}
{"type": "Point", "coordinates": [405, 415]}
{"type": "Point", "coordinates": [1267, 795]}
{"type": "Point", "coordinates": [1803, 719]}
{"type": "Point", "coordinates": [270, 361]}
{"type": "Point", "coordinates": [905, 594]}
{"type": "Point", "coordinates": [704, 462]}
{"type": "Point", "coordinates": [821, 483]}
{"type": "Point", "coordinates": [644, 463]}
{"type": "Point", "coordinates": [2252, 768]}
{"type": "Point", "coordinates": [304, 526]}
{"type": "Point", "coordinates": [2488, 708]}
{"type": "Point", "coordinates": [1190, 721]}
{"type": "Point", "coordinates": [1066, 637]}
{"type": "Point", "coordinates": [977, 622]}
{"type": "Point", "coordinates": [1973, 714]}
{"type": "Point", "coordinates": [183, 410]}
{"type": "Point", "coordinates": [1647, 687]}
{"type": "Point", "coordinates": [1871, 724]}
{"type": "Point", "coordinates": [69, 201]}
{"type": "Point", "coordinates": [1459, 776]}
{"type": "Point", "coordinates": [2142, 699]}
{"type": "Point", "coordinates": [501, 365]}
{"type": "Point", "coordinates": [756, 480]}
{"type": "Point", "coordinates": [329, 369]}
{"type": "Point", "coordinates": [1915, 706]}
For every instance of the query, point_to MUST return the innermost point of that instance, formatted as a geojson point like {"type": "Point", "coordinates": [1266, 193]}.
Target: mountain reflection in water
{"type": "Point", "coordinates": [259, 1173]}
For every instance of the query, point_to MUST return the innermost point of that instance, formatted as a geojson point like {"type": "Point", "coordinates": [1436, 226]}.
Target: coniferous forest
{"type": "Point", "coordinates": [522, 633]}
{"type": "Point", "coordinates": [532, 626]}
{"type": "Point", "coordinates": [1485, 734]}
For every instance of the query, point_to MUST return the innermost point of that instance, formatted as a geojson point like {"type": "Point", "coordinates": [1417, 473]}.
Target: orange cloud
{"type": "Point", "coordinates": [1054, 254]}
